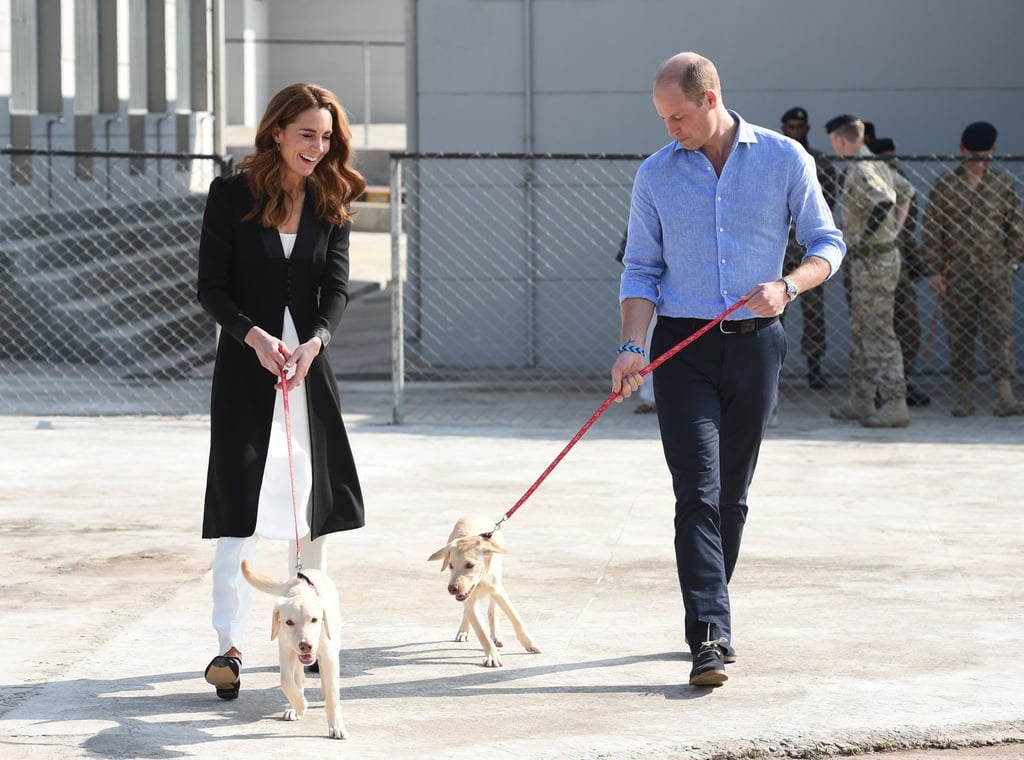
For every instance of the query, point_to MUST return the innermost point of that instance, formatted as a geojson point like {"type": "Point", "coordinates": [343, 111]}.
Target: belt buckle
{"type": "Point", "coordinates": [744, 326]}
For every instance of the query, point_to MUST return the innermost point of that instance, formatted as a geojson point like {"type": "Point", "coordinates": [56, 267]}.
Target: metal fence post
{"type": "Point", "coordinates": [397, 313]}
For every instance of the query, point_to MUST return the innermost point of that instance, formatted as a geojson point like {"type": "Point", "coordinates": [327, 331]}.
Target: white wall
{"type": "Point", "coordinates": [325, 44]}
{"type": "Point", "coordinates": [920, 69]}
{"type": "Point", "coordinates": [273, 44]}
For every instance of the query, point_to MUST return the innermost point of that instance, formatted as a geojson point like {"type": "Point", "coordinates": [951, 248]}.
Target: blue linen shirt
{"type": "Point", "coordinates": [697, 243]}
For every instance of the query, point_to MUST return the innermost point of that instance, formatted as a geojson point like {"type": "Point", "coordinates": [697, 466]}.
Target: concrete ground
{"type": "Point", "coordinates": [877, 603]}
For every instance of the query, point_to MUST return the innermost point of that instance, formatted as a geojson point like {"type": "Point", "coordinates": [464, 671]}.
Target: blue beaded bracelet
{"type": "Point", "coordinates": [632, 348]}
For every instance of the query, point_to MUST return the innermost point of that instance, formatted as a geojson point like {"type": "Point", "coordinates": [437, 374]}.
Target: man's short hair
{"type": "Point", "coordinates": [694, 79]}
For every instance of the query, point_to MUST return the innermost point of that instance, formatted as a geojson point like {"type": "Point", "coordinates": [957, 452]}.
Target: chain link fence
{"type": "Point", "coordinates": [512, 279]}
{"type": "Point", "coordinates": [507, 285]}
{"type": "Point", "coordinates": [97, 281]}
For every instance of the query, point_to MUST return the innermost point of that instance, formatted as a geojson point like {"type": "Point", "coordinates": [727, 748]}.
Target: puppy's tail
{"type": "Point", "coordinates": [264, 583]}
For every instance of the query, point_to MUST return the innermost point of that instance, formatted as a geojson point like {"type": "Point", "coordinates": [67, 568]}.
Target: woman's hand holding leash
{"type": "Point", "coordinates": [298, 362]}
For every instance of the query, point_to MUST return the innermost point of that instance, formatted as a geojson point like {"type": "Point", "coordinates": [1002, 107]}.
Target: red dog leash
{"type": "Point", "coordinates": [608, 402]}
{"type": "Point", "coordinates": [291, 469]}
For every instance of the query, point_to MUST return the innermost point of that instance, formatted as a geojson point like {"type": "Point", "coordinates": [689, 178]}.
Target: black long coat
{"type": "Point", "coordinates": [245, 280]}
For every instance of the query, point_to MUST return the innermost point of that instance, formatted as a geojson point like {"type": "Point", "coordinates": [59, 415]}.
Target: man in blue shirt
{"type": "Point", "coordinates": [708, 226]}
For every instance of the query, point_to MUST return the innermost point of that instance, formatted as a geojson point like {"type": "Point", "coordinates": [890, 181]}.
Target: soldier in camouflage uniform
{"type": "Point", "coordinates": [906, 319]}
{"type": "Point", "coordinates": [972, 243]}
{"type": "Point", "coordinates": [812, 302]}
{"type": "Point", "coordinates": [873, 204]}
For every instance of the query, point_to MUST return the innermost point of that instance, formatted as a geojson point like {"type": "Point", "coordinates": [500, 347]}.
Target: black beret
{"type": "Point", "coordinates": [840, 121]}
{"type": "Point", "coordinates": [979, 136]}
{"type": "Point", "coordinates": [795, 114]}
{"type": "Point", "coordinates": [882, 145]}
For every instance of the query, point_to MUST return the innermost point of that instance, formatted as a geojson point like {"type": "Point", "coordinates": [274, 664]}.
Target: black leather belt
{"type": "Point", "coordinates": [744, 326]}
{"type": "Point", "coordinates": [729, 326]}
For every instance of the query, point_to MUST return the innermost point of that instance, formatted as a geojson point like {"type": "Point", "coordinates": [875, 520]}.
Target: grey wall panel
{"type": "Point", "coordinates": [612, 122]}
{"type": "Point", "coordinates": [919, 81]}
{"type": "Point", "coordinates": [577, 330]}
{"type": "Point", "coordinates": [488, 330]}
{"type": "Point", "coordinates": [576, 240]}
{"type": "Point", "coordinates": [458, 246]}
{"type": "Point", "coordinates": [470, 46]}
{"type": "Point", "coordinates": [467, 123]}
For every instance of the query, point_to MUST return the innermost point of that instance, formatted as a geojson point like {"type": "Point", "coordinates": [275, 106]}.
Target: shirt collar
{"type": "Point", "coordinates": [744, 134]}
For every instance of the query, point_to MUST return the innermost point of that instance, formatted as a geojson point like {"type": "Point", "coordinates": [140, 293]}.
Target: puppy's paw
{"type": "Point", "coordinates": [290, 714]}
{"type": "Point", "coordinates": [498, 641]}
{"type": "Point", "coordinates": [528, 643]}
{"type": "Point", "coordinates": [337, 732]}
{"type": "Point", "coordinates": [462, 636]}
{"type": "Point", "coordinates": [493, 661]}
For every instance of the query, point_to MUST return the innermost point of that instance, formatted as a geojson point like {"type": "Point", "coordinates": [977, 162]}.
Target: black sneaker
{"type": "Point", "coordinates": [815, 377]}
{"type": "Point", "coordinates": [727, 656]}
{"type": "Point", "coordinates": [709, 665]}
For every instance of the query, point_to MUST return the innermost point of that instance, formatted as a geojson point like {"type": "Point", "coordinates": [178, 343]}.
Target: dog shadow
{"type": "Point", "coordinates": [470, 678]}
{"type": "Point", "coordinates": [151, 713]}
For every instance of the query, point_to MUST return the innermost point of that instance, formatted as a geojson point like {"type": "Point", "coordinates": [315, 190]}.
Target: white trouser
{"type": "Point", "coordinates": [232, 594]}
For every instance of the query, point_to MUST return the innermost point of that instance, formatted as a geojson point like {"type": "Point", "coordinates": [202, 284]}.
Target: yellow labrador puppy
{"type": "Point", "coordinates": [474, 554]}
{"type": "Point", "coordinates": [306, 624]}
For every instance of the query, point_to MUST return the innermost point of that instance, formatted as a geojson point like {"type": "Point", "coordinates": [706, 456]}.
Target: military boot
{"type": "Point", "coordinates": [891, 414]}
{"type": "Point", "coordinates": [916, 396]}
{"type": "Point", "coordinates": [1006, 404]}
{"type": "Point", "coordinates": [964, 406]}
{"type": "Point", "coordinates": [815, 377]}
{"type": "Point", "coordinates": [860, 404]}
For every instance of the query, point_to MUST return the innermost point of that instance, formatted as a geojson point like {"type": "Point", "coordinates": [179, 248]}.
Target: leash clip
{"type": "Point", "coordinates": [497, 527]}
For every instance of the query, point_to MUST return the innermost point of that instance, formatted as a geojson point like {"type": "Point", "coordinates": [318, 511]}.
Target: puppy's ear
{"type": "Point", "coordinates": [275, 625]}
{"type": "Point", "coordinates": [493, 547]}
{"type": "Point", "coordinates": [327, 625]}
{"type": "Point", "coordinates": [441, 554]}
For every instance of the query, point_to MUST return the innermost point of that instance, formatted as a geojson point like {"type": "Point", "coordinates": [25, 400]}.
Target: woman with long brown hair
{"type": "Point", "coordinates": [273, 272]}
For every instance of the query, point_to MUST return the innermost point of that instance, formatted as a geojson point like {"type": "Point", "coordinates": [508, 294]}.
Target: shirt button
{"type": "Point", "coordinates": [721, 229]}
{"type": "Point", "coordinates": [723, 261]}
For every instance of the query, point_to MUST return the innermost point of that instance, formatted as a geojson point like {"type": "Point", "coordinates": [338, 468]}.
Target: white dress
{"type": "Point", "coordinates": [276, 518]}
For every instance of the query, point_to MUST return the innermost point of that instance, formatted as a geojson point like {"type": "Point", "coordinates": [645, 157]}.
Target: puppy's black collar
{"type": "Point", "coordinates": [312, 585]}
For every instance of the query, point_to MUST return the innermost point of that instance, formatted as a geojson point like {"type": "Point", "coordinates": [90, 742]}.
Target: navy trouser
{"type": "Point", "coordinates": [713, 400]}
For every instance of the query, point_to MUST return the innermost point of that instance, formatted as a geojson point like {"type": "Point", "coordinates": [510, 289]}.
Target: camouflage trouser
{"type": "Point", "coordinates": [982, 300]}
{"type": "Point", "coordinates": [812, 308]}
{"type": "Point", "coordinates": [875, 356]}
{"type": "Point", "coordinates": [907, 320]}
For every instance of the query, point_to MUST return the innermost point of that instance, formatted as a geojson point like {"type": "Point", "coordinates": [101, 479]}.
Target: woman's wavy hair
{"type": "Point", "coordinates": [334, 183]}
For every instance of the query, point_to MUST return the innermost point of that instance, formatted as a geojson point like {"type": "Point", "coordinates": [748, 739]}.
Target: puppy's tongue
{"type": "Point", "coordinates": [461, 597]}
{"type": "Point", "coordinates": [307, 659]}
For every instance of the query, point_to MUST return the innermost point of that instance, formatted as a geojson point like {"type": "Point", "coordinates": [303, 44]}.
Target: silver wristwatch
{"type": "Point", "coordinates": [791, 289]}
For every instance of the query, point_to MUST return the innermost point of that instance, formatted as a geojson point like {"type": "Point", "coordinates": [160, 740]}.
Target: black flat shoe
{"type": "Point", "coordinates": [223, 673]}
{"type": "Point", "coordinates": [709, 665]}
